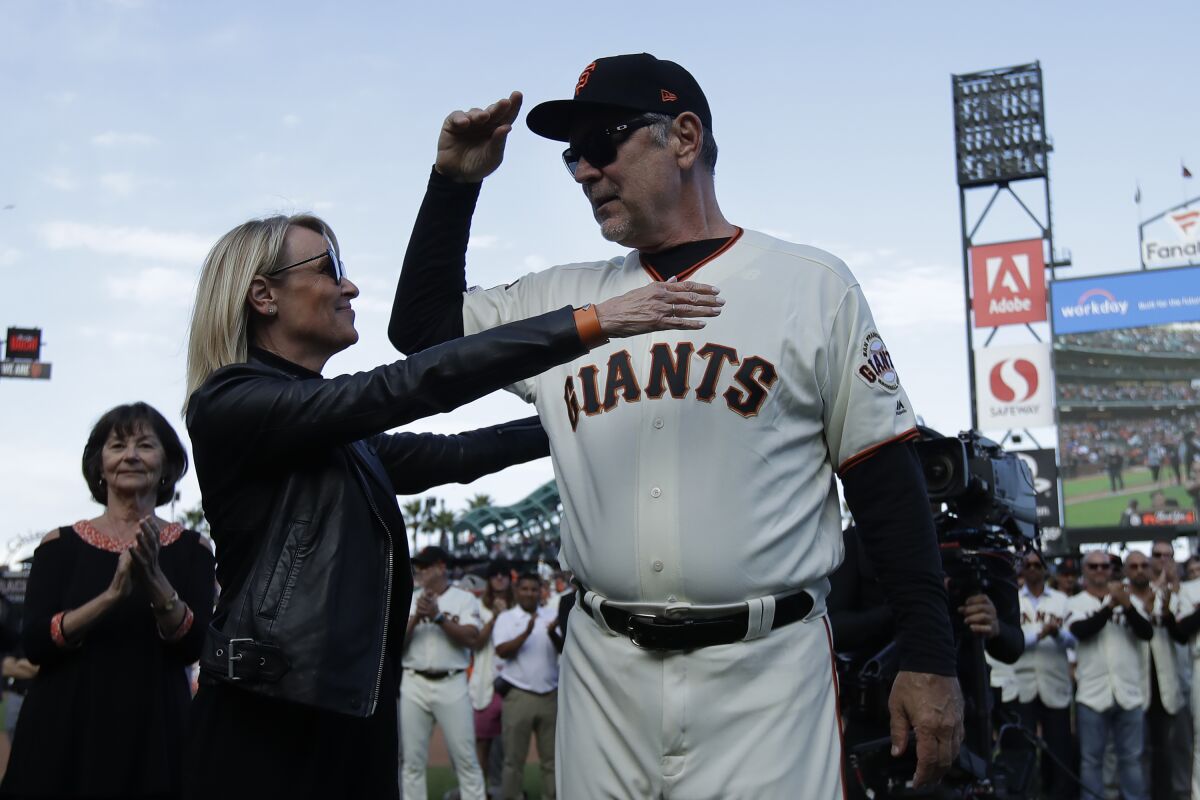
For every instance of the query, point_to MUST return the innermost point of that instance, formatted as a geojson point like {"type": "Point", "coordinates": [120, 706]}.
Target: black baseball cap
{"type": "Point", "coordinates": [432, 555]}
{"type": "Point", "coordinates": [634, 82]}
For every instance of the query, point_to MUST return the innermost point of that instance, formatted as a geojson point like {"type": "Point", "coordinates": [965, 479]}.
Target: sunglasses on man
{"type": "Point", "coordinates": [599, 146]}
{"type": "Point", "coordinates": [1098, 566]}
{"type": "Point", "coordinates": [334, 268]}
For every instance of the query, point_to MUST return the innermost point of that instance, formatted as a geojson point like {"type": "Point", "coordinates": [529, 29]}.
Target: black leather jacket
{"type": "Point", "coordinates": [299, 486]}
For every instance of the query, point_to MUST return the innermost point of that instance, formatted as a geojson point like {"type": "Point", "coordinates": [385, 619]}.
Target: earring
{"type": "Point", "coordinates": [101, 483]}
{"type": "Point", "coordinates": [162, 481]}
{"type": "Point", "coordinates": [271, 310]}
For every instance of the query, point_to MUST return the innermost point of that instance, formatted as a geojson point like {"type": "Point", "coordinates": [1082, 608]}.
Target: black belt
{"type": "Point", "coordinates": [651, 632]}
{"type": "Point", "coordinates": [436, 675]}
{"type": "Point", "coordinates": [240, 659]}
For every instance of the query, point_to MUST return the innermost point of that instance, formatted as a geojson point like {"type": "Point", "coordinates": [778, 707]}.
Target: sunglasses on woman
{"type": "Point", "coordinates": [334, 268]}
{"type": "Point", "coordinates": [599, 147]}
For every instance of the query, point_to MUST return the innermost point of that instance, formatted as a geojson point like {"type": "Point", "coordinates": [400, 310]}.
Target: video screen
{"type": "Point", "coordinates": [1128, 399]}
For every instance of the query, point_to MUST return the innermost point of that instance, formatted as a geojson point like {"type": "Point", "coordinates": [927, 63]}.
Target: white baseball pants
{"type": "Point", "coordinates": [753, 720]}
{"type": "Point", "coordinates": [421, 702]}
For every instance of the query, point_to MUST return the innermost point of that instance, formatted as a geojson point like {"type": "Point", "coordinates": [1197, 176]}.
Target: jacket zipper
{"type": "Point", "coordinates": [387, 609]}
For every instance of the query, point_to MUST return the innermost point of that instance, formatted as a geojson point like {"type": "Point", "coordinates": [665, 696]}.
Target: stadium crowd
{"type": "Point", "coordinates": [1172, 443]}
{"type": "Point", "coordinates": [1137, 340]}
{"type": "Point", "coordinates": [1173, 392]}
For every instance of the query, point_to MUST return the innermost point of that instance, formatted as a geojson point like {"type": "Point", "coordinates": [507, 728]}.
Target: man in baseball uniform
{"type": "Point", "coordinates": [1043, 674]}
{"type": "Point", "coordinates": [1110, 692]}
{"type": "Point", "coordinates": [697, 469]}
{"type": "Point", "coordinates": [1184, 624]}
{"type": "Point", "coordinates": [443, 624]}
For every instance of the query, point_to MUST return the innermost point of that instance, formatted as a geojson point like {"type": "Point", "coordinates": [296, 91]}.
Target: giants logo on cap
{"type": "Point", "coordinates": [1009, 280]}
{"type": "Point", "coordinates": [584, 76]}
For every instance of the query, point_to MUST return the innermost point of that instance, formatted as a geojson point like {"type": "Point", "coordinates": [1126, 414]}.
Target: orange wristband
{"type": "Point", "coordinates": [587, 321]}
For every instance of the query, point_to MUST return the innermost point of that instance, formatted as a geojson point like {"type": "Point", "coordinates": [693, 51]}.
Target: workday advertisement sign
{"type": "Point", "coordinates": [1126, 300]}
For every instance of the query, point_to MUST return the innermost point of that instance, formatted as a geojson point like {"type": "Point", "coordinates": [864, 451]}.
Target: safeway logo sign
{"type": "Point", "coordinates": [1012, 387]}
{"type": "Point", "coordinates": [1009, 282]}
{"type": "Point", "coordinates": [1014, 379]}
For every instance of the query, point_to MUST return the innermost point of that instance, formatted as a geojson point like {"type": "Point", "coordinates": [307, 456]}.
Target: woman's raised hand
{"type": "Point", "coordinates": [671, 305]}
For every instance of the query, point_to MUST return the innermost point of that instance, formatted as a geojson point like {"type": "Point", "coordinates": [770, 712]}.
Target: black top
{"type": "Point", "coordinates": [107, 716]}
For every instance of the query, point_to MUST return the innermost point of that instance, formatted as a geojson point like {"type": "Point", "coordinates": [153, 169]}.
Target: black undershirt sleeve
{"type": "Point", "coordinates": [857, 621]}
{"type": "Point", "coordinates": [1085, 629]}
{"type": "Point", "coordinates": [887, 496]}
{"type": "Point", "coordinates": [429, 294]}
{"type": "Point", "coordinates": [1183, 629]}
{"type": "Point", "coordinates": [1141, 627]}
{"type": "Point", "coordinates": [1008, 645]}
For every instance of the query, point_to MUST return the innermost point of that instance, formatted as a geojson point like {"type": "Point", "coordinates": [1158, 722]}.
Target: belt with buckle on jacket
{"type": "Point", "coordinates": [241, 659]}
{"type": "Point", "coordinates": [656, 632]}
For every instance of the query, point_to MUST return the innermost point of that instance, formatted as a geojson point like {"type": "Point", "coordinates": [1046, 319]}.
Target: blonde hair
{"type": "Point", "coordinates": [220, 327]}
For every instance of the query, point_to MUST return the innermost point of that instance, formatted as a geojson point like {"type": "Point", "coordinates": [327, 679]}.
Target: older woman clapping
{"type": "Point", "coordinates": [115, 610]}
{"type": "Point", "coordinates": [299, 672]}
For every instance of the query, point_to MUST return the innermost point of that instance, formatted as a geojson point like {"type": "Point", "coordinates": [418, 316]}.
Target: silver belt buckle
{"type": "Point", "coordinates": [631, 630]}
{"type": "Point", "coordinates": [232, 657]}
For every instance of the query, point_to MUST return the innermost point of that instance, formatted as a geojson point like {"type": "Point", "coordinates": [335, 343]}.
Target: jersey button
{"type": "Point", "coordinates": [656, 492]}
{"type": "Point", "coordinates": [658, 566]}
{"type": "Point", "coordinates": [658, 423]}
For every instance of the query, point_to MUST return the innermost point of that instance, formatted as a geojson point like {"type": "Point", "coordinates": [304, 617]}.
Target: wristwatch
{"type": "Point", "coordinates": [167, 607]}
{"type": "Point", "coordinates": [440, 618]}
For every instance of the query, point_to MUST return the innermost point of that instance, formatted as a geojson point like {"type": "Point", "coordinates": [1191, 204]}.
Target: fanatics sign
{"type": "Point", "coordinates": [1013, 387]}
{"type": "Point", "coordinates": [1009, 283]}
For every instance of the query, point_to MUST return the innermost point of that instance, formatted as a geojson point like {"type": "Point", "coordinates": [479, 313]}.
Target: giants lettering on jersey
{"type": "Point", "coordinates": [597, 389]}
{"type": "Point", "coordinates": [1040, 617]}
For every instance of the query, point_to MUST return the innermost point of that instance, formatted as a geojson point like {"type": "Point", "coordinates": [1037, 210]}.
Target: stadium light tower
{"type": "Point", "coordinates": [999, 139]}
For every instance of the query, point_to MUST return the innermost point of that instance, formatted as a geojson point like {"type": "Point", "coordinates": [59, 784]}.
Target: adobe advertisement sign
{"type": "Point", "coordinates": [1127, 376]}
{"type": "Point", "coordinates": [1012, 386]}
{"type": "Point", "coordinates": [1008, 281]}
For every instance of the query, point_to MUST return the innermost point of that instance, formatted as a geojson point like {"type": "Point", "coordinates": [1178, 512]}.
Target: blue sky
{"type": "Point", "coordinates": [137, 132]}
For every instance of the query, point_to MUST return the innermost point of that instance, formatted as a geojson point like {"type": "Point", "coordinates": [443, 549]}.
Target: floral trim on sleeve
{"type": "Point", "coordinates": [185, 625]}
{"type": "Point", "coordinates": [87, 531]}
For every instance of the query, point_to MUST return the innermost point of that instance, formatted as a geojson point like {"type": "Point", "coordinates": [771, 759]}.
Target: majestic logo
{"type": "Point", "coordinates": [668, 96]}
{"type": "Point", "coordinates": [584, 77]}
{"type": "Point", "coordinates": [1014, 380]}
{"type": "Point", "coordinates": [670, 371]}
{"type": "Point", "coordinates": [877, 370]}
{"type": "Point", "coordinates": [1096, 303]}
{"type": "Point", "coordinates": [1010, 283]}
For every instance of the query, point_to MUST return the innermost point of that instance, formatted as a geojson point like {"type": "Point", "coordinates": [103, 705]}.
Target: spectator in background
{"type": "Point", "coordinates": [1186, 630]}
{"type": "Point", "coordinates": [1164, 572]}
{"type": "Point", "coordinates": [497, 598]}
{"type": "Point", "coordinates": [1131, 517]}
{"type": "Point", "coordinates": [1159, 675]}
{"type": "Point", "coordinates": [1066, 576]}
{"type": "Point", "coordinates": [1191, 567]}
{"type": "Point", "coordinates": [1043, 674]}
{"type": "Point", "coordinates": [1110, 693]}
{"type": "Point", "coordinates": [443, 627]}
{"type": "Point", "coordinates": [115, 610]}
{"type": "Point", "coordinates": [1114, 463]}
{"type": "Point", "coordinates": [530, 670]}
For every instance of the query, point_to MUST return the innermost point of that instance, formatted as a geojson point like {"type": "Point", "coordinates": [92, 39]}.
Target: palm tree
{"type": "Point", "coordinates": [480, 501]}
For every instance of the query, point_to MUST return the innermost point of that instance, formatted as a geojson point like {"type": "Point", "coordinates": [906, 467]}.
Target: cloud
{"type": "Point", "coordinates": [118, 139]}
{"type": "Point", "coordinates": [925, 295]}
{"type": "Point", "coordinates": [119, 183]}
{"type": "Point", "coordinates": [483, 241]}
{"type": "Point", "coordinates": [61, 178]}
{"type": "Point", "coordinates": [290, 120]}
{"type": "Point", "coordinates": [64, 98]}
{"type": "Point", "coordinates": [122, 338]}
{"type": "Point", "coordinates": [9, 256]}
{"type": "Point", "coordinates": [156, 286]}
{"type": "Point", "coordinates": [177, 246]}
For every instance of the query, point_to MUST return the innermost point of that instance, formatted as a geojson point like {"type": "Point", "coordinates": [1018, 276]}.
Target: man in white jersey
{"type": "Point", "coordinates": [1186, 628]}
{"type": "Point", "coordinates": [1043, 674]}
{"type": "Point", "coordinates": [443, 625]}
{"type": "Point", "coordinates": [1110, 695]}
{"type": "Point", "coordinates": [697, 470]}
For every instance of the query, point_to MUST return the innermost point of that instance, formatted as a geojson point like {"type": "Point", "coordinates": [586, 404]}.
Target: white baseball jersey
{"type": "Point", "coordinates": [1187, 602]}
{"type": "Point", "coordinates": [1161, 647]}
{"type": "Point", "coordinates": [698, 466]}
{"type": "Point", "coordinates": [1110, 663]}
{"type": "Point", "coordinates": [1042, 670]}
{"type": "Point", "coordinates": [430, 649]}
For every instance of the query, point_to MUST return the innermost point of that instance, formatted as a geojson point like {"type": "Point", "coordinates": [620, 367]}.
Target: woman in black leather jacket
{"type": "Point", "coordinates": [299, 669]}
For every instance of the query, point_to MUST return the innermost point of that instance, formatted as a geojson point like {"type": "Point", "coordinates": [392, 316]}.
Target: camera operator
{"type": "Point", "coordinates": [1044, 674]}
{"type": "Point", "coordinates": [1109, 694]}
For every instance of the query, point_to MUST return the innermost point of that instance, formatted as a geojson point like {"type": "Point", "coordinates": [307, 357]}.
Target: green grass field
{"type": "Point", "coordinates": [1084, 509]}
{"type": "Point", "coordinates": [440, 780]}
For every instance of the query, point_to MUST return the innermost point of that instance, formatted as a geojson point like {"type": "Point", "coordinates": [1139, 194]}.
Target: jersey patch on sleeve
{"type": "Point", "coordinates": [876, 369]}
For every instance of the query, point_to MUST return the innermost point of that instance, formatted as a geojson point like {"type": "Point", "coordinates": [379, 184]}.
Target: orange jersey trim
{"type": "Point", "coordinates": [687, 273]}
{"type": "Point", "coordinates": [908, 436]}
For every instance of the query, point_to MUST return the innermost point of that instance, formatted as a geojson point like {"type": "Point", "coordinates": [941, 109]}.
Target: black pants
{"type": "Point", "coordinates": [1158, 743]}
{"type": "Point", "coordinates": [1055, 724]}
{"type": "Point", "coordinates": [245, 746]}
